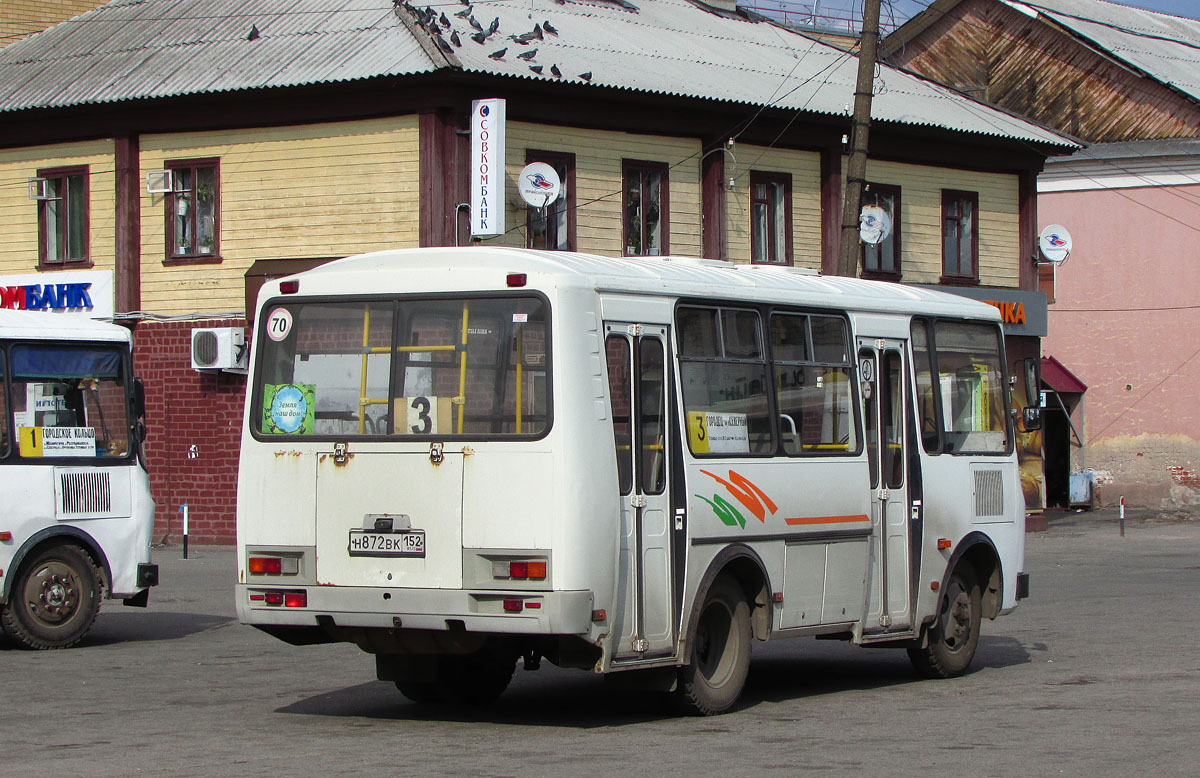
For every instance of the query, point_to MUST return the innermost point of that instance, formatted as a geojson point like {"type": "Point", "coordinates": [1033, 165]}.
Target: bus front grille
{"type": "Point", "coordinates": [989, 493]}
{"type": "Point", "coordinates": [85, 493]}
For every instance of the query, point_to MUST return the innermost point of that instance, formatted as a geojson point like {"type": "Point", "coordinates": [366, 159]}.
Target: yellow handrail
{"type": "Point", "coordinates": [462, 371]}
{"type": "Point", "coordinates": [362, 390]}
{"type": "Point", "coordinates": [520, 358]}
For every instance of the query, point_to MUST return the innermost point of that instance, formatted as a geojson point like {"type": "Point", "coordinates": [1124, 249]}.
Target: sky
{"type": "Point", "coordinates": [845, 13]}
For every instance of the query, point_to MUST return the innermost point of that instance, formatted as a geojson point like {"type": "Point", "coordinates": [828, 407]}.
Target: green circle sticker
{"type": "Point", "coordinates": [289, 408]}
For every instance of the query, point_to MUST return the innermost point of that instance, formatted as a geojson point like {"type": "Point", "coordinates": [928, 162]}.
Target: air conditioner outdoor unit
{"type": "Point", "coordinates": [219, 348]}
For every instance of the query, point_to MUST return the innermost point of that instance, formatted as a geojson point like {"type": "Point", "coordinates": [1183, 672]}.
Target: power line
{"type": "Point", "coordinates": [1057, 309]}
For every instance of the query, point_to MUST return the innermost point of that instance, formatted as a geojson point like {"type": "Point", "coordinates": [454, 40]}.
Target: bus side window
{"type": "Point", "coordinates": [812, 383]}
{"type": "Point", "coordinates": [926, 398]}
{"type": "Point", "coordinates": [723, 370]}
{"type": "Point", "coordinates": [616, 349]}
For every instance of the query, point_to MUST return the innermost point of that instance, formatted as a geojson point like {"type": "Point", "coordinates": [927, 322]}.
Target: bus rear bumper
{"type": "Point", "coordinates": [539, 613]}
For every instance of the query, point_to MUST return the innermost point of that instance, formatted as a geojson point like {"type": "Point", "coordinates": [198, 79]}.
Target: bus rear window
{"type": "Point", "coordinates": [473, 367]}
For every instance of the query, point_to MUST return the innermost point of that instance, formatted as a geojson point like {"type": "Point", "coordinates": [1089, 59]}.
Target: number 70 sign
{"type": "Point", "coordinates": [279, 324]}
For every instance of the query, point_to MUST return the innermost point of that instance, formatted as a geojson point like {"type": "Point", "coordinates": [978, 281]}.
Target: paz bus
{"type": "Point", "coordinates": [78, 515]}
{"type": "Point", "coordinates": [458, 459]}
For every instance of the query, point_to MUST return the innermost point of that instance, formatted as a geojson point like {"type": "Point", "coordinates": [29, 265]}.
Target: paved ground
{"type": "Point", "coordinates": [1097, 675]}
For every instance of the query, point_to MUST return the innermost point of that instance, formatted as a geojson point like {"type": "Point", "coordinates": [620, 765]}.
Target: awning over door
{"type": "Point", "coordinates": [1059, 378]}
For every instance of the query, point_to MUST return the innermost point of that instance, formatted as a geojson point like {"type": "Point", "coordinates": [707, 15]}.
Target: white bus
{"type": "Point", "coordinates": [458, 458]}
{"type": "Point", "coordinates": [78, 516]}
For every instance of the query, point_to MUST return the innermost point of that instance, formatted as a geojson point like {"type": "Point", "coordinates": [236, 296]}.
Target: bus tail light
{"type": "Point", "coordinates": [516, 279]}
{"type": "Point", "coordinates": [289, 287]}
{"type": "Point", "coordinates": [273, 565]}
{"type": "Point", "coordinates": [943, 544]}
{"type": "Point", "coordinates": [290, 599]}
{"type": "Point", "coordinates": [513, 606]}
{"type": "Point", "coordinates": [5, 536]}
{"type": "Point", "coordinates": [520, 570]}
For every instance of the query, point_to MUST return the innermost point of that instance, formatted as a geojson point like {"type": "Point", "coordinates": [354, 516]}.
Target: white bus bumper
{"type": "Point", "coordinates": [540, 613]}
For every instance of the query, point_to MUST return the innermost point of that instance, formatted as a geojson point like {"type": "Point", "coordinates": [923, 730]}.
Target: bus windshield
{"type": "Point", "coordinates": [470, 367]}
{"type": "Point", "coordinates": [68, 400]}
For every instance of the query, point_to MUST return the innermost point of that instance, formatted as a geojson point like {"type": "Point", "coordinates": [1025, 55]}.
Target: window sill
{"type": "Point", "coordinates": [872, 275]}
{"type": "Point", "coordinates": [958, 281]}
{"type": "Point", "coordinates": [198, 259]}
{"type": "Point", "coordinates": [75, 264]}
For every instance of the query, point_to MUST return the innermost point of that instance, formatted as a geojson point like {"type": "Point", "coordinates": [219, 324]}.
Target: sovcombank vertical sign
{"type": "Point", "coordinates": [487, 167]}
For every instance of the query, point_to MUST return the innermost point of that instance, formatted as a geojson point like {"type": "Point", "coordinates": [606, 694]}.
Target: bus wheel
{"type": "Point", "coordinates": [54, 600]}
{"type": "Point", "coordinates": [712, 682]}
{"type": "Point", "coordinates": [473, 679]}
{"type": "Point", "coordinates": [420, 693]}
{"type": "Point", "coordinates": [952, 638]}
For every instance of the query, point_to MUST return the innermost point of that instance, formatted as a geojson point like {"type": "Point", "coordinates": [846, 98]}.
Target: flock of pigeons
{"type": "Point", "coordinates": [447, 38]}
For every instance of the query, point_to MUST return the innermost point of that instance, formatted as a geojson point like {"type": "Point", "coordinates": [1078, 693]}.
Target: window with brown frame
{"type": "Point", "coordinates": [193, 210]}
{"type": "Point", "coordinates": [882, 260]}
{"type": "Point", "coordinates": [63, 217]}
{"type": "Point", "coordinates": [553, 227]}
{"type": "Point", "coordinates": [960, 236]}
{"type": "Point", "coordinates": [646, 205]}
{"type": "Point", "coordinates": [770, 218]}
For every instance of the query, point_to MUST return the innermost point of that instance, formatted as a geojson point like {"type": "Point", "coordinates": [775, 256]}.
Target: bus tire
{"type": "Point", "coordinates": [54, 599]}
{"type": "Point", "coordinates": [720, 653]}
{"type": "Point", "coordinates": [420, 692]}
{"type": "Point", "coordinates": [952, 637]}
{"type": "Point", "coordinates": [473, 679]}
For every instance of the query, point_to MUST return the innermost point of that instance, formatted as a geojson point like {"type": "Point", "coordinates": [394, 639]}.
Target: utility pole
{"type": "Point", "coordinates": [856, 167]}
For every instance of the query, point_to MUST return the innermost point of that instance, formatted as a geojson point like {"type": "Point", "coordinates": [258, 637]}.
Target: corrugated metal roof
{"type": "Point", "coordinates": [164, 48]}
{"type": "Point", "coordinates": [1165, 47]}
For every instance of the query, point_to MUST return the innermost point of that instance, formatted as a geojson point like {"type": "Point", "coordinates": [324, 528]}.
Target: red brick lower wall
{"type": "Point", "coordinates": [186, 408]}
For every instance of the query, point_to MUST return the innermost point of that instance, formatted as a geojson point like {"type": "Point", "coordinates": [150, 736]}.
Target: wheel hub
{"type": "Point", "coordinates": [53, 594]}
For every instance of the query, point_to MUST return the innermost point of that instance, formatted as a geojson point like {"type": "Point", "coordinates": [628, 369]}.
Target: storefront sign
{"type": "Point", "coordinates": [1023, 312]}
{"type": "Point", "coordinates": [487, 167]}
{"type": "Point", "coordinates": [89, 292]}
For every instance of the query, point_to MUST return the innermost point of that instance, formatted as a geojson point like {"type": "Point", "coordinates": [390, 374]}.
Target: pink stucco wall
{"type": "Point", "coordinates": [1126, 320]}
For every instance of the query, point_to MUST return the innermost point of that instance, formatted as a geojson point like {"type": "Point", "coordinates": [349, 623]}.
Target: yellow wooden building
{"type": "Point", "coordinates": [196, 158]}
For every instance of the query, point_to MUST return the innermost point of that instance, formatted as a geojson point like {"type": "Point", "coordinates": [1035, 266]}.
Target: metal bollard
{"type": "Point", "coordinates": [1122, 516]}
{"type": "Point", "coordinates": [184, 510]}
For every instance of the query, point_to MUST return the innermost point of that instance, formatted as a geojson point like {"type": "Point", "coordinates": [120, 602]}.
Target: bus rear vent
{"type": "Point", "coordinates": [85, 493]}
{"type": "Point", "coordinates": [989, 493]}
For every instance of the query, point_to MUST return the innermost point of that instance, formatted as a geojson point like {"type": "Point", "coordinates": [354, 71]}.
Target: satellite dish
{"type": "Point", "coordinates": [874, 224]}
{"type": "Point", "coordinates": [539, 184]}
{"type": "Point", "coordinates": [1055, 243]}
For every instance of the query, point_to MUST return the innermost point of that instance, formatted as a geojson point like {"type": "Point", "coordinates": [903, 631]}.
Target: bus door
{"type": "Point", "coordinates": [885, 409]}
{"type": "Point", "coordinates": [637, 360]}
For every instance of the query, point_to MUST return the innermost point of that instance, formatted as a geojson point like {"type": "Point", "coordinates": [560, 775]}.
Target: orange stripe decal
{"type": "Point", "coordinates": [827, 519]}
{"type": "Point", "coordinates": [746, 493]}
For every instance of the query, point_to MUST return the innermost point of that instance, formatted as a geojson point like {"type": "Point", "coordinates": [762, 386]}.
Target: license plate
{"type": "Point", "coordinates": [387, 544]}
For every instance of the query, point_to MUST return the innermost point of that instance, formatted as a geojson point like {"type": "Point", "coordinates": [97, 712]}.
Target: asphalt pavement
{"type": "Point", "coordinates": [1095, 675]}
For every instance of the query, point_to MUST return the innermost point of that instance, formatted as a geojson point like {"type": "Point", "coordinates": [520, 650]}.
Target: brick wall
{"type": "Point", "coordinates": [187, 408]}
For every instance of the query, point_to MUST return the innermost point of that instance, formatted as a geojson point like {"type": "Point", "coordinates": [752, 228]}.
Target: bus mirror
{"type": "Point", "coordinates": [1032, 380]}
{"type": "Point", "coordinates": [139, 431]}
{"type": "Point", "coordinates": [1032, 420]}
{"type": "Point", "coordinates": [139, 398]}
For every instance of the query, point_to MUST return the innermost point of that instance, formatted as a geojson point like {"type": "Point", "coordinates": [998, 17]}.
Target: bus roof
{"type": "Point", "coordinates": [37, 325]}
{"type": "Point", "coordinates": [477, 267]}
